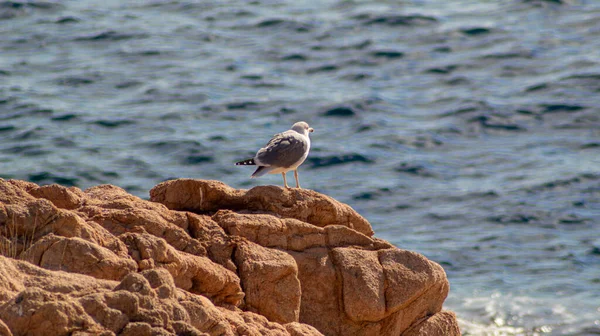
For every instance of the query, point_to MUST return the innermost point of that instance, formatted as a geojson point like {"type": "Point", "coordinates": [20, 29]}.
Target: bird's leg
{"type": "Point", "coordinates": [284, 180]}
{"type": "Point", "coordinates": [296, 176]}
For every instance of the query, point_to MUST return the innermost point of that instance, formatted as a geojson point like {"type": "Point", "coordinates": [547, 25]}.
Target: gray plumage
{"type": "Point", "coordinates": [284, 152]}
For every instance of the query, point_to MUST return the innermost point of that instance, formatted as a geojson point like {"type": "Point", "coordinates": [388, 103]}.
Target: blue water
{"type": "Point", "coordinates": [466, 130]}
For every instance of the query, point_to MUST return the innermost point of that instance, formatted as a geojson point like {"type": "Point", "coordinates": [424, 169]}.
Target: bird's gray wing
{"type": "Point", "coordinates": [283, 150]}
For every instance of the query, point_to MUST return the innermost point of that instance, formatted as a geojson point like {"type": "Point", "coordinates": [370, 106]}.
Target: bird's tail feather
{"type": "Point", "coordinates": [249, 162]}
{"type": "Point", "coordinates": [261, 170]}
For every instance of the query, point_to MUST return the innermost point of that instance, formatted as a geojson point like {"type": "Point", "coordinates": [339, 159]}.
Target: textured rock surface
{"type": "Point", "coordinates": [202, 258]}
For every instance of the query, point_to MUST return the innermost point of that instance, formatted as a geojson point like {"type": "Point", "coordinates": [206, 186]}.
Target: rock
{"type": "Point", "coordinates": [78, 256]}
{"type": "Point", "coordinates": [4, 331]}
{"type": "Point", "coordinates": [270, 279]}
{"type": "Point", "coordinates": [306, 205]}
{"type": "Point", "coordinates": [196, 274]}
{"type": "Point", "coordinates": [61, 197]}
{"type": "Point", "coordinates": [202, 258]}
{"type": "Point", "coordinates": [442, 323]}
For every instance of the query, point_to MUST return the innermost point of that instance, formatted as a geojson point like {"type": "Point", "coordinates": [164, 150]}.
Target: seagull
{"type": "Point", "coordinates": [285, 151]}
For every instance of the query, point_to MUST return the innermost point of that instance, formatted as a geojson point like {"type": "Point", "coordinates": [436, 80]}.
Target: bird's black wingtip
{"type": "Point", "coordinates": [249, 162]}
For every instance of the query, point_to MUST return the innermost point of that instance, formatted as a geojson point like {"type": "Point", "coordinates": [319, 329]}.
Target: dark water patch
{"type": "Point", "coordinates": [5, 73]}
{"type": "Point", "coordinates": [65, 117]}
{"type": "Point", "coordinates": [356, 46]}
{"type": "Point", "coordinates": [149, 52]}
{"type": "Point", "coordinates": [30, 134]}
{"type": "Point", "coordinates": [591, 145]}
{"type": "Point", "coordinates": [7, 128]}
{"type": "Point", "coordinates": [197, 159]}
{"type": "Point", "coordinates": [457, 81]}
{"type": "Point", "coordinates": [111, 35]}
{"type": "Point", "coordinates": [587, 331]}
{"type": "Point", "coordinates": [420, 141]}
{"type": "Point", "coordinates": [257, 81]}
{"type": "Point", "coordinates": [287, 24]}
{"type": "Point", "coordinates": [335, 160]}
{"type": "Point", "coordinates": [387, 54]}
{"type": "Point", "coordinates": [342, 45]}
{"type": "Point", "coordinates": [564, 183]}
{"type": "Point", "coordinates": [340, 111]}
{"type": "Point", "coordinates": [443, 217]}
{"type": "Point", "coordinates": [40, 111]}
{"type": "Point", "coordinates": [589, 121]}
{"type": "Point", "coordinates": [572, 219]}
{"type": "Point", "coordinates": [350, 109]}
{"type": "Point", "coordinates": [295, 57]}
{"type": "Point", "coordinates": [45, 177]}
{"type": "Point", "coordinates": [242, 105]}
{"type": "Point", "coordinates": [356, 77]}
{"type": "Point", "coordinates": [372, 195]}
{"type": "Point", "coordinates": [154, 95]}
{"type": "Point", "coordinates": [7, 100]}
{"type": "Point", "coordinates": [470, 107]}
{"type": "Point", "coordinates": [365, 128]}
{"type": "Point", "coordinates": [64, 142]}
{"type": "Point", "coordinates": [16, 111]}
{"type": "Point", "coordinates": [497, 123]}
{"type": "Point", "coordinates": [171, 116]}
{"type": "Point", "coordinates": [27, 150]}
{"type": "Point", "coordinates": [537, 87]}
{"type": "Point", "coordinates": [542, 2]}
{"type": "Point", "coordinates": [443, 70]}
{"type": "Point", "coordinates": [396, 20]}
{"type": "Point", "coordinates": [138, 54]}
{"type": "Point", "coordinates": [518, 218]}
{"type": "Point", "coordinates": [414, 169]}
{"type": "Point", "coordinates": [76, 81]}
{"type": "Point", "coordinates": [251, 77]}
{"type": "Point", "coordinates": [217, 138]}
{"type": "Point", "coordinates": [585, 82]}
{"type": "Point", "coordinates": [476, 31]}
{"type": "Point", "coordinates": [442, 49]}
{"type": "Point", "coordinates": [589, 78]}
{"type": "Point", "coordinates": [507, 55]}
{"type": "Point", "coordinates": [113, 123]}
{"type": "Point", "coordinates": [287, 110]}
{"type": "Point", "coordinates": [67, 19]}
{"type": "Point", "coordinates": [322, 68]}
{"type": "Point", "coordinates": [128, 84]}
{"type": "Point", "coordinates": [403, 206]}
{"type": "Point", "coordinates": [554, 108]}
{"type": "Point", "coordinates": [12, 9]}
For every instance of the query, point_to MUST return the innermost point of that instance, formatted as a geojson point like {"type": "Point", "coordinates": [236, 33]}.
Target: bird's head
{"type": "Point", "coordinates": [302, 128]}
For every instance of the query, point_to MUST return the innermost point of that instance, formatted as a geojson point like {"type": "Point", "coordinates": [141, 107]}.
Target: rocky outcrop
{"type": "Point", "coordinates": [202, 258]}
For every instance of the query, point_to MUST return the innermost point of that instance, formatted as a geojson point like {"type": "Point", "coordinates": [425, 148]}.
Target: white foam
{"type": "Point", "coordinates": [501, 314]}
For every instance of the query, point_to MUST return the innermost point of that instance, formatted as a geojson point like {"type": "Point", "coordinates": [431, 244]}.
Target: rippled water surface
{"type": "Point", "coordinates": [467, 130]}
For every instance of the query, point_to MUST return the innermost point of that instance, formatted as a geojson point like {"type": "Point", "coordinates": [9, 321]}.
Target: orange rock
{"type": "Point", "coordinates": [270, 280]}
{"type": "Point", "coordinates": [61, 197]}
{"type": "Point", "coordinates": [440, 324]}
{"type": "Point", "coordinates": [196, 274]}
{"type": "Point", "coordinates": [302, 204]}
{"type": "Point", "coordinates": [78, 256]}
{"type": "Point", "coordinates": [202, 258]}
